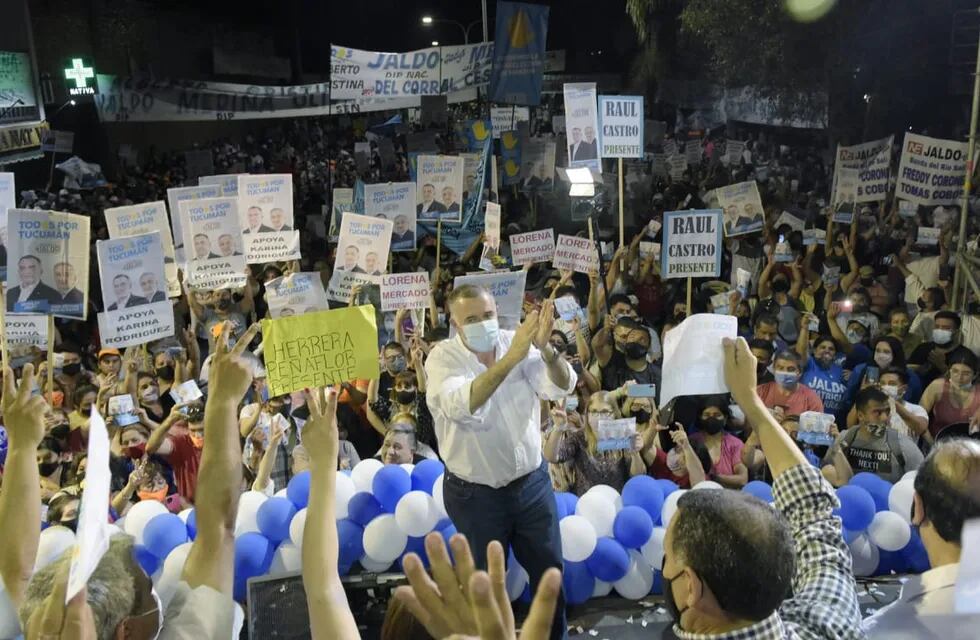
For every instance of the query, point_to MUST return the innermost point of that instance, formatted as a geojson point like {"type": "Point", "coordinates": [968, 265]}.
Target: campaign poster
{"type": "Point", "coordinates": [621, 126]}
{"type": "Point", "coordinates": [691, 246]}
{"type": "Point", "coordinates": [576, 254]}
{"type": "Point", "coordinates": [228, 182]}
{"type": "Point", "coordinates": [677, 166]}
{"type": "Point", "coordinates": [47, 263]}
{"type": "Point", "coordinates": [177, 195]}
{"type": "Point", "coordinates": [362, 254]}
{"type": "Point", "coordinates": [733, 152]}
{"type": "Point", "coordinates": [8, 200]}
{"type": "Point", "coordinates": [343, 200]}
{"type": "Point", "coordinates": [582, 124]}
{"type": "Point", "coordinates": [295, 294]}
{"type": "Point", "coordinates": [405, 291]}
{"type": "Point", "coordinates": [517, 73]}
{"type": "Point", "coordinates": [872, 161]}
{"type": "Point", "coordinates": [394, 201]}
{"type": "Point", "coordinates": [137, 309]}
{"type": "Point", "coordinates": [265, 204]}
{"type": "Point", "coordinates": [538, 165]}
{"type": "Point", "coordinates": [932, 171]}
{"type": "Point", "coordinates": [506, 118]}
{"type": "Point", "coordinates": [492, 225]}
{"type": "Point", "coordinates": [507, 289]}
{"type": "Point", "coordinates": [213, 235]}
{"type": "Point", "coordinates": [692, 152]}
{"type": "Point", "coordinates": [743, 208]}
{"type": "Point", "coordinates": [143, 218]}
{"type": "Point", "coordinates": [24, 332]}
{"type": "Point", "coordinates": [533, 246]}
{"type": "Point", "coordinates": [439, 192]}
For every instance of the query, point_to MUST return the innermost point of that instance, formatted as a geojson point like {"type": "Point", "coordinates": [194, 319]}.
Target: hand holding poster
{"type": "Point", "coordinates": [394, 201]}
{"type": "Point", "coordinates": [576, 254]}
{"type": "Point", "coordinates": [318, 349]}
{"type": "Point", "coordinates": [743, 208]}
{"type": "Point", "coordinates": [124, 222]}
{"type": "Point", "coordinates": [405, 291]}
{"type": "Point", "coordinates": [212, 231]}
{"type": "Point", "coordinates": [533, 246]}
{"type": "Point", "coordinates": [295, 294]}
{"type": "Point", "coordinates": [440, 188]}
{"type": "Point", "coordinates": [507, 289]}
{"type": "Point", "coordinates": [621, 124]}
{"type": "Point", "coordinates": [616, 435]}
{"type": "Point", "coordinates": [694, 361]}
{"type": "Point", "coordinates": [872, 161]}
{"type": "Point", "coordinates": [582, 123]}
{"type": "Point", "coordinates": [48, 246]}
{"type": "Point", "coordinates": [362, 254]}
{"type": "Point", "coordinates": [174, 198]}
{"type": "Point", "coordinates": [932, 171]}
{"type": "Point", "coordinates": [691, 244]}
{"type": "Point", "coordinates": [265, 204]}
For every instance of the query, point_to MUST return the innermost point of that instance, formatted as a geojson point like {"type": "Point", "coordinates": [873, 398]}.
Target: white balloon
{"type": "Point", "coordinates": [889, 531]}
{"type": "Point", "coordinates": [611, 494]}
{"type": "Point", "coordinates": [598, 509]}
{"type": "Point", "coordinates": [139, 515]}
{"type": "Point", "coordinates": [602, 589]}
{"type": "Point", "coordinates": [638, 579]}
{"type": "Point", "coordinates": [653, 549]}
{"type": "Point", "coordinates": [670, 506]}
{"type": "Point", "coordinates": [344, 490]}
{"type": "Point", "coordinates": [578, 538]}
{"type": "Point", "coordinates": [9, 625]}
{"type": "Point", "coordinates": [910, 475]}
{"type": "Point", "coordinates": [248, 512]}
{"type": "Point", "coordinates": [373, 566]}
{"type": "Point", "coordinates": [288, 558]}
{"type": "Point", "coordinates": [900, 499]}
{"type": "Point", "coordinates": [284, 493]}
{"type": "Point", "coordinates": [515, 580]}
{"type": "Point", "coordinates": [121, 523]}
{"type": "Point", "coordinates": [706, 484]}
{"type": "Point", "coordinates": [173, 568]}
{"type": "Point", "coordinates": [864, 556]}
{"type": "Point", "coordinates": [183, 515]}
{"type": "Point", "coordinates": [437, 496]}
{"type": "Point", "coordinates": [407, 466]}
{"type": "Point", "coordinates": [53, 542]}
{"type": "Point", "coordinates": [416, 513]}
{"type": "Point", "coordinates": [296, 527]}
{"type": "Point", "coordinates": [383, 540]}
{"type": "Point", "coordinates": [363, 473]}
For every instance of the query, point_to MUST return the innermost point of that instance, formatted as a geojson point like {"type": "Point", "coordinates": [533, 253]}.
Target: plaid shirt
{"type": "Point", "coordinates": [824, 604]}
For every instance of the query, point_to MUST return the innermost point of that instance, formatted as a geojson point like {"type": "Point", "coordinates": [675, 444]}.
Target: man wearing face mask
{"type": "Point", "coordinates": [182, 452]}
{"type": "Point", "coordinates": [632, 363]}
{"type": "Point", "coordinates": [484, 392]}
{"type": "Point", "coordinates": [871, 446]}
{"type": "Point", "coordinates": [929, 359]}
{"type": "Point", "coordinates": [877, 292]}
{"type": "Point", "coordinates": [786, 391]}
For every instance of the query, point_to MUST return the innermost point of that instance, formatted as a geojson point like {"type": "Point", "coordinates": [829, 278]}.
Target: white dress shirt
{"type": "Point", "coordinates": [26, 291]}
{"type": "Point", "coordinates": [929, 594]}
{"type": "Point", "coordinates": [501, 441]}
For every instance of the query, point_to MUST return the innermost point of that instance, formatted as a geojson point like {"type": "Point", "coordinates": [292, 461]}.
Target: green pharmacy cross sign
{"type": "Point", "coordinates": [80, 78]}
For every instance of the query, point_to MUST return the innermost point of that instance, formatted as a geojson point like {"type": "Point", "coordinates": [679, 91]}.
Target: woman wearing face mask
{"type": "Point", "coordinates": [954, 398]}
{"type": "Point", "coordinates": [579, 446]}
{"type": "Point", "coordinates": [84, 399]}
{"type": "Point", "coordinates": [725, 449]}
{"type": "Point", "coordinates": [886, 352]}
{"type": "Point", "coordinates": [51, 467]}
{"type": "Point", "coordinates": [63, 508]}
{"type": "Point", "coordinates": [394, 360]}
{"type": "Point", "coordinates": [851, 337]}
{"type": "Point", "coordinates": [407, 396]}
{"type": "Point", "coordinates": [776, 283]}
{"type": "Point", "coordinates": [157, 406]}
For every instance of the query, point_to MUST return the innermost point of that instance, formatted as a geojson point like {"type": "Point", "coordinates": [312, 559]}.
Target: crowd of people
{"type": "Point", "coordinates": [859, 330]}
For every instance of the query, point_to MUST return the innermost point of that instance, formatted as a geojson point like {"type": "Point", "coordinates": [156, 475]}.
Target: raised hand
{"type": "Point", "coordinates": [320, 437]}
{"type": "Point", "coordinates": [546, 323]}
{"type": "Point", "coordinates": [231, 374]}
{"type": "Point", "coordinates": [740, 369]}
{"type": "Point", "coordinates": [23, 413]}
{"type": "Point", "coordinates": [525, 333]}
{"type": "Point", "coordinates": [54, 619]}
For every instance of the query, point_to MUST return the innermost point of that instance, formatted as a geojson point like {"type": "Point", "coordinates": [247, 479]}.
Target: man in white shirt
{"type": "Point", "coordinates": [907, 418]}
{"type": "Point", "coordinates": [484, 388]}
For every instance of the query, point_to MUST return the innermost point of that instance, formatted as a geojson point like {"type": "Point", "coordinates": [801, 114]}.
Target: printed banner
{"type": "Point", "coordinates": [691, 246]}
{"type": "Point", "coordinates": [692, 152]}
{"type": "Point", "coordinates": [511, 150]}
{"type": "Point", "coordinates": [677, 165]}
{"type": "Point", "coordinates": [137, 310]}
{"type": "Point", "coordinates": [616, 435]}
{"type": "Point", "coordinates": [47, 246]}
{"type": "Point", "coordinates": [872, 161]}
{"type": "Point", "coordinates": [296, 294]}
{"type": "Point", "coordinates": [538, 164]}
{"type": "Point", "coordinates": [507, 289]}
{"type": "Point", "coordinates": [138, 219]}
{"type": "Point", "coordinates": [405, 291]}
{"type": "Point", "coordinates": [356, 74]}
{"type": "Point", "coordinates": [506, 118]}
{"type": "Point", "coordinates": [533, 246]}
{"type": "Point", "coordinates": [492, 225]}
{"type": "Point", "coordinates": [362, 254]}
{"type": "Point", "coordinates": [440, 188]}
{"type": "Point", "coordinates": [8, 200]}
{"type": "Point", "coordinates": [582, 123]}
{"type": "Point", "coordinates": [932, 171]}
{"type": "Point", "coordinates": [519, 54]}
{"type": "Point", "coordinates": [743, 208]}
{"type": "Point", "coordinates": [394, 201]}
{"type": "Point", "coordinates": [844, 193]}
{"type": "Point", "coordinates": [576, 254]}
{"type": "Point", "coordinates": [26, 331]}
{"type": "Point", "coordinates": [319, 349]}
{"type": "Point", "coordinates": [228, 182]}
{"type": "Point", "coordinates": [733, 152]}
{"type": "Point", "coordinates": [343, 200]}
{"type": "Point", "coordinates": [621, 126]}
{"type": "Point", "coordinates": [180, 194]}
{"type": "Point", "coordinates": [265, 204]}
{"type": "Point", "coordinates": [213, 235]}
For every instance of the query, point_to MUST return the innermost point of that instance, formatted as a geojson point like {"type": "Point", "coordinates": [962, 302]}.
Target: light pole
{"type": "Point", "coordinates": [429, 21]}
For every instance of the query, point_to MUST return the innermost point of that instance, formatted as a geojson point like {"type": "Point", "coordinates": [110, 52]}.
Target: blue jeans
{"type": "Point", "coordinates": [522, 515]}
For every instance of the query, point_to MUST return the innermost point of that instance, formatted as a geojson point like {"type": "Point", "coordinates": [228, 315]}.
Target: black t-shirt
{"type": "Point", "coordinates": [616, 373]}
{"type": "Point", "coordinates": [920, 356]}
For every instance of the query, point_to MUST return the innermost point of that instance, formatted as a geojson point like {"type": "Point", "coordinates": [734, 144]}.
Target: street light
{"type": "Point", "coordinates": [426, 19]}
{"type": "Point", "coordinates": [429, 21]}
{"type": "Point", "coordinates": [435, 43]}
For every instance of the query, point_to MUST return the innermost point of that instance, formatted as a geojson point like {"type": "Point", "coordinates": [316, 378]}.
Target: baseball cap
{"type": "Point", "coordinates": [109, 351]}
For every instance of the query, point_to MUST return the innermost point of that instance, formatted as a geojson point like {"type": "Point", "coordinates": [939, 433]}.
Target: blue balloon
{"type": "Point", "coordinates": [609, 562]}
{"type": "Point", "coordinates": [274, 516]}
{"type": "Point", "coordinates": [658, 583]}
{"type": "Point", "coordinates": [192, 524]}
{"type": "Point", "coordinates": [416, 546]}
{"type": "Point", "coordinates": [578, 582]}
{"type": "Point", "coordinates": [849, 536]}
{"type": "Point", "coordinates": [253, 555]}
{"type": "Point", "coordinates": [526, 594]}
{"type": "Point", "coordinates": [759, 489]}
{"type": "Point", "coordinates": [878, 488]}
{"type": "Point", "coordinates": [667, 486]}
{"type": "Point", "coordinates": [914, 553]}
{"type": "Point", "coordinates": [391, 482]}
{"type": "Point", "coordinates": [298, 490]}
{"type": "Point", "coordinates": [632, 528]}
{"type": "Point", "coordinates": [163, 534]}
{"type": "Point", "coordinates": [566, 503]}
{"type": "Point", "coordinates": [857, 507]}
{"type": "Point", "coordinates": [424, 475]}
{"type": "Point", "coordinates": [645, 492]}
{"type": "Point", "coordinates": [363, 508]}
{"type": "Point", "coordinates": [447, 533]}
{"type": "Point", "coordinates": [145, 558]}
{"type": "Point", "coordinates": [889, 561]}
{"type": "Point", "coordinates": [350, 536]}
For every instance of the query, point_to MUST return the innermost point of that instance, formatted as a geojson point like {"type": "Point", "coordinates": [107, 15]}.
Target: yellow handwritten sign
{"type": "Point", "coordinates": [321, 348]}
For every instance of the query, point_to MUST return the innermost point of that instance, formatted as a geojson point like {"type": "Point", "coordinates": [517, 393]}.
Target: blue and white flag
{"type": "Point", "coordinates": [519, 53]}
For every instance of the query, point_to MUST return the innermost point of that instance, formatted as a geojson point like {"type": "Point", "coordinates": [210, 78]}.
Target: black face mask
{"type": "Point", "coordinates": [669, 601]}
{"type": "Point", "coordinates": [72, 369]}
{"type": "Point", "coordinates": [921, 303]}
{"type": "Point", "coordinates": [165, 372]}
{"type": "Point", "coordinates": [406, 397]}
{"type": "Point", "coordinates": [642, 416]}
{"type": "Point", "coordinates": [867, 281]}
{"type": "Point", "coordinates": [635, 350]}
{"type": "Point", "coordinates": [780, 286]}
{"type": "Point", "coordinates": [60, 431]}
{"type": "Point", "coordinates": [223, 305]}
{"type": "Point", "coordinates": [47, 468]}
{"type": "Point", "coordinates": [711, 426]}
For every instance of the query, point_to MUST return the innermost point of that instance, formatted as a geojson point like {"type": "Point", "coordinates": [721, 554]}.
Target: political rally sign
{"type": "Point", "coordinates": [405, 291]}
{"type": "Point", "coordinates": [362, 254]}
{"type": "Point", "coordinates": [733, 152]}
{"type": "Point", "coordinates": [932, 171]}
{"type": "Point", "coordinates": [137, 310]}
{"type": "Point", "coordinates": [538, 165]}
{"type": "Point", "coordinates": [519, 53]}
{"type": "Point", "coordinates": [506, 118]}
{"type": "Point", "coordinates": [742, 207]}
{"type": "Point", "coordinates": [582, 124]}
{"type": "Point", "coordinates": [47, 247]}
{"type": "Point", "coordinates": [318, 349]}
{"type": "Point", "coordinates": [394, 201]}
{"type": "Point", "coordinates": [177, 195]}
{"type": "Point", "coordinates": [295, 294]}
{"type": "Point", "coordinates": [25, 331]}
{"type": "Point", "coordinates": [576, 254]}
{"type": "Point", "coordinates": [343, 200]}
{"type": "Point", "coordinates": [872, 161]}
{"type": "Point", "coordinates": [621, 126]}
{"type": "Point", "coordinates": [507, 289]}
{"type": "Point", "coordinates": [439, 190]}
{"type": "Point", "coordinates": [213, 235]}
{"type": "Point", "coordinates": [533, 246]}
{"type": "Point", "coordinates": [492, 225]}
{"type": "Point", "coordinates": [265, 204]}
{"type": "Point", "coordinates": [691, 246]}
{"type": "Point", "coordinates": [228, 182]}
{"type": "Point", "coordinates": [148, 217]}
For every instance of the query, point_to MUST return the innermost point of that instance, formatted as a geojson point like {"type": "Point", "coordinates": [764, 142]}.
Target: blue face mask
{"type": "Point", "coordinates": [264, 394]}
{"type": "Point", "coordinates": [571, 403]}
{"type": "Point", "coordinates": [785, 379]}
{"type": "Point", "coordinates": [481, 336]}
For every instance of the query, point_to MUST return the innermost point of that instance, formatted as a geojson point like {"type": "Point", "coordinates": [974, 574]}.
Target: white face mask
{"type": "Point", "coordinates": [571, 403]}
{"type": "Point", "coordinates": [942, 336]}
{"type": "Point", "coordinates": [883, 359]}
{"type": "Point", "coordinates": [890, 390]}
{"type": "Point", "coordinates": [481, 336]}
